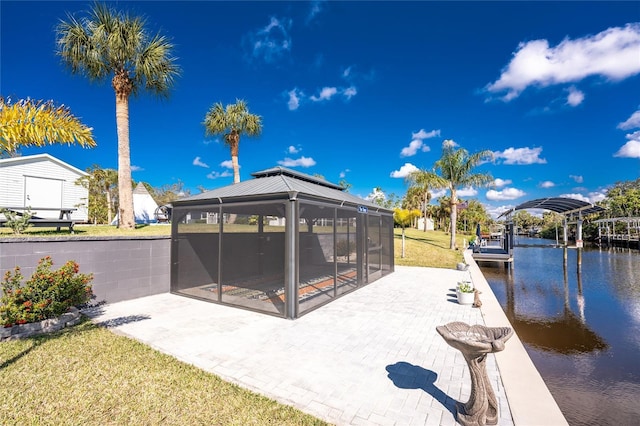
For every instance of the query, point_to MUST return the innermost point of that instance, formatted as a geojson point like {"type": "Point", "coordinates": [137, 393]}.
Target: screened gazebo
{"type": "Point", "coordinates": [283, 243]}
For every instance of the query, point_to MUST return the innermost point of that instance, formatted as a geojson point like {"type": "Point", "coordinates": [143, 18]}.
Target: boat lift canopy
{"type": "Point", "coordinates": [565, 206]}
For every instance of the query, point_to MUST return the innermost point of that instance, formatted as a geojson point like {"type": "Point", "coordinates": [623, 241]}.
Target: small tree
{"type": "Point", "coordinates": [232, 121]}
{"type": "Point", "coordinates": [404, 217]}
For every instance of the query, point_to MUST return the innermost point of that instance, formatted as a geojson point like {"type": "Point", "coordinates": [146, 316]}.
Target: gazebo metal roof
{"type": "Point", "coordinates": [565, 206]}
{"type": "Point", "coordinates": [278, 182]}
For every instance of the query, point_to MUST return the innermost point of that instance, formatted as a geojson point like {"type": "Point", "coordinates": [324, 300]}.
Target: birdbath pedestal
{"type": "Point", "coordinates": [475, 342]}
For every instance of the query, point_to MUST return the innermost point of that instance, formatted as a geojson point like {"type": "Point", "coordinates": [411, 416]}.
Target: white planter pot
{"type": "Point", "coordinates": [465, 298]}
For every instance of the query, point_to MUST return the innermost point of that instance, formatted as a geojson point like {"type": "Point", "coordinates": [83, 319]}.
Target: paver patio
{"type": "Point", "coordinates": [372, 357]}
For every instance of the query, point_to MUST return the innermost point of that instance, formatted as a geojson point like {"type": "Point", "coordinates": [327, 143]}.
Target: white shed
{"type": "Point", "coordinates": [42, 181]}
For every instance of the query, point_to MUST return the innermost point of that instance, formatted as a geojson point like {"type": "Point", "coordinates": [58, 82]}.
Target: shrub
{"type": "Point", "coordinates": [47, 294]}
{"type": "Point", "coordinates": [343, 248]}
{"type": "Point", "coordinates": [17, 222]}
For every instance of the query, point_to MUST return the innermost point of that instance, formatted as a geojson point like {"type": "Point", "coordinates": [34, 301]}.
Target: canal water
{"type": "Point", "coordinates": [579, 324]}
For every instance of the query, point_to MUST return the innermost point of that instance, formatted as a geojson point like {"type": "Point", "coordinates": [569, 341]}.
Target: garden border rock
{"type": "Point", "coordinates": [22, 331]}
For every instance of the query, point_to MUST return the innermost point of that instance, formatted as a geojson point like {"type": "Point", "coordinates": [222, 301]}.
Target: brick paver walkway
{"type": "Point", "coordinates": [372, 357]}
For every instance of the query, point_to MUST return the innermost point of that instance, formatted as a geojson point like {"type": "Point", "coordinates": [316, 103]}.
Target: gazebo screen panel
{"type": "Point", "coordinates": [195, 248]}
{"type": "Point", "coordinates": [316, 266]}
{"type": "Point", "coordinates": [253, 256]}
{"type": "Point", "coordinates": [346, 250]}
{"type": "Point", "coordinates": [387, 262]}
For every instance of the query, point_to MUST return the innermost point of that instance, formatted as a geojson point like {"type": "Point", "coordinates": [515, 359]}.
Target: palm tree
{"type": "Point", "coordinates": [424, 182]}
{"type": "Point", "coordinates": [232, 121]}
{"type": "Point", "coordinates": [37, 123]}
{"type": "Point", "coordinates": [456, 166]}
{"type": "Point", "coordinates": [111, 44]}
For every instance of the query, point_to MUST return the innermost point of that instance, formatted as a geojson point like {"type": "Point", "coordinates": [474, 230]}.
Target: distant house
{"type": "Point", "coordinates": [42, 181]}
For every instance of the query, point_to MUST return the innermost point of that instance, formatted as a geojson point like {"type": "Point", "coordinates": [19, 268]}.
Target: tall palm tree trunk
{"type": "Point", "coordinates": [125, 192]}
{"type": "Point", "coordinates": [454, 218]}
{"type": "Point", "coordinates": [234, 143]}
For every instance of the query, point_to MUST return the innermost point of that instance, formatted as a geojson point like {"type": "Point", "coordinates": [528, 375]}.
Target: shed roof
{"type": "Point", "coordinates": [559, 205]}
{"type": "Point", "coordinates": [280, 181]}
{"type": "Point", "coordinates": [27, 159]}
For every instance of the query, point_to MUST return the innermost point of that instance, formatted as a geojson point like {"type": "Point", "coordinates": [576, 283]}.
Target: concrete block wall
{"type": "Point", "coordinates": [123, 268]}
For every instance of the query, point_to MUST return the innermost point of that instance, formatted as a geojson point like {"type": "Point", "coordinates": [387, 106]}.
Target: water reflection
{"type": "Point", "coordinates": [562, 332]}
{"type": "Point", "coordinates": [578, 314]}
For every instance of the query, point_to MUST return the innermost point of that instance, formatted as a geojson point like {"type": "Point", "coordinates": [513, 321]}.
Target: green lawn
{"type": "Point", "coordinates": [429, 249]}
{"type": "Point", "coordinates": [87, 375]}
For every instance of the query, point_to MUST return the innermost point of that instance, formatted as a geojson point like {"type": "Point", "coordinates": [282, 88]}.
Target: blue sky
{"type": "Point", "coordinates": [364, 91]}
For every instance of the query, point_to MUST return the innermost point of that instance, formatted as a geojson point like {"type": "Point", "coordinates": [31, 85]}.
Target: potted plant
{"type": "Point", "coordinates": [465, 293]}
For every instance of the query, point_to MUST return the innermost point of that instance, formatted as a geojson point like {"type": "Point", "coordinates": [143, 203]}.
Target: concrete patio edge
{"type": "Point", "coordinates": [529, 398]}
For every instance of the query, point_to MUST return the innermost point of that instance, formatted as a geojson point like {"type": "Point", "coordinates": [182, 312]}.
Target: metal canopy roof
{"type": "Point", "coordinates": [280, 182]}
{"type": "Point", "coordinates": [561, 205]}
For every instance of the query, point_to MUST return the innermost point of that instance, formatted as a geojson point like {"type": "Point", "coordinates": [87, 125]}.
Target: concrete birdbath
{"type": "Point", "coordinates": [475, 342]}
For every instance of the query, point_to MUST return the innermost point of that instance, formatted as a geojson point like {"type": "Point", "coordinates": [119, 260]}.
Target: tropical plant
{"type": "Point", "coordinates": [38, 123]}
{"type": "Point", "coordinates": [102, 186]}
{"type": "Point", "coordinates": [623, 199]}
{"type": "Point", "coordinates": [109, 43]}
{"type": "Point", "coordinates": [46, 294]}
{"type": "Point", "coordinates": [404, 217]}
{"type": "Point", "coordinates": [456, 167]}
{"type": "Point", "coordinates": [17, 222]}
{"type": "Point", "coordinates": [168, 193]}
{"type": "Point", "coordinates": [231, 122]}
{"type": "Point", "coordinates": [474, 213]}
{"type": "Point", "coordinates": [465, 287]}
{"type": "Point", "coordinates": [423, 182]}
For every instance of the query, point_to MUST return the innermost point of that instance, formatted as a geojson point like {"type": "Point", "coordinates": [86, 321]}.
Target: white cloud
{"type": "Point", "coordinates": [577, 179]}
{"type": "Point", "coordinates": [499, 183]}
{"type": "Point", "coordinates": [316, 7]}
{"type": "Point", "coordinates": [467, 192]}
{"type": "Point", "coordinates": [422, 134]}
{"type": "Point", "coordinates": [349, 92]}
{"type": "Point", "coordinates": [438, 193]}
{"type": "Point", "coordinates": [417, 143]}
{"type": "Point", "coordinates": [293, 150]}
{"type": "Point", "coordinates": [575, 96]}
{"type": "Point", "coordinates": [136, 168]}
{"type": "Point", "coordinates": [227, 164]}
{"type": "Point", "coordinates": [325, 94]}
{"type": "Point", "coordinates": [294, 99]}
{"type": "Point", "coordinates": [505, 194]}
{"type": "Point", "coordinates": [199, 163]}
{"type": "Point", "coordinates": [300, 162]}
{"type": "Point", "coordinates": [272, 42]}
{"type": "Point", "coordinates": [592, 197]}
{"type": "Point", "coordinates": [576, 197]}
{"type": "Point", "coordinates": [494, 212]}
{"type": "Point", "coordinates": [520, 156]}
{"type": "Point", "coordinates": [632, 122]}
{"type": "Point", "coordinates": [631, 149]}
{"type": "Point", "coordinates": [414, 146]}
{"type": "Point", "coordinates": [376, 194]}
{"type": "Point", "coordinates": [612, 54]}
{"type": "Point", "coordinates": [216, 175]}
{"type": "Point", "coordinates": [404, 171]}
{"type": "Point", "coordinates": [449, 143]}
{"type": "Point", "coordinates": [343, 173]}
{"type": "Point", "coordinates": [547, 184]}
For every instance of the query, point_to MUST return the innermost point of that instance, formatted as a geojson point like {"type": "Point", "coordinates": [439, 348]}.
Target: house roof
{"type": "Point", "coordinates": [280, 182]}
{"type": "Point", "coordinates": [561, 205]}
{"type": "Point", "coordinates": [39, 157]}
